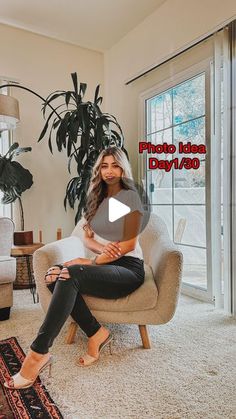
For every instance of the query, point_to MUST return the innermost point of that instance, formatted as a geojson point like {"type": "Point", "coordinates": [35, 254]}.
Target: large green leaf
{"type": "Point", "coordinates": [83, 87]}
{"type": "Point", "coordinates": [14, 180]}
{"type": "Point", "coordinates": [71, 191]}
{"type": "Point", "coordinates": [51, 97]}
{"type": "Point", "coordinates": [75, 83]}
{"type": "Point", "coordinates": [96, 94]}
{"type": "Point", "coordinates": [13, 147]}
{"type": "Point", "coordinates": [73, 129]}
{"type": "Point", "coordinates": [20, 150]}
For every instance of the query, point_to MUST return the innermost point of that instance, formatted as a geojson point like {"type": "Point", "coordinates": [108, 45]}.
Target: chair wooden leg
{"type": "Point", "coordinates": [144, 336]}
{"type": "Point", "coordinates": [70, 337]}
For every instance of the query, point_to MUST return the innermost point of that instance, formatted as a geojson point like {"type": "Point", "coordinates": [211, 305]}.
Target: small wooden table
{"type": "Point", "coordinates": [26, 251]}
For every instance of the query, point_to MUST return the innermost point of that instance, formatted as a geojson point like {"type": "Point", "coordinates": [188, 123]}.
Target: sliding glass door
{"type": "Point", "coordinates": [179, 115]}
{"type": "Point", "coordinates": [191, 106]}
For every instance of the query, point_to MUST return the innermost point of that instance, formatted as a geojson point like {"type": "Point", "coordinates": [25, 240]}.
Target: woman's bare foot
{"type": "Point", "coordinates": [33, 362]}
{"type": "Point", "coordinates": [95, 341]}
{"type": "Point", "coordinates": [53, 273]}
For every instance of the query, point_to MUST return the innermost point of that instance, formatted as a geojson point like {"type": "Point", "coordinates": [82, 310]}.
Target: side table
{"type": "Point", "coordinates": [26, 252]}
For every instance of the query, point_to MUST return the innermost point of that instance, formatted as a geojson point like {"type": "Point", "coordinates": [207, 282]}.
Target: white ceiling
{"type": "Point", "coordinates": [94, 24]}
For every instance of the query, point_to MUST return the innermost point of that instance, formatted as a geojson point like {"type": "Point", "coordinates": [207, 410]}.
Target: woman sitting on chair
{"type": "Point", "coordinates": [115, 272]}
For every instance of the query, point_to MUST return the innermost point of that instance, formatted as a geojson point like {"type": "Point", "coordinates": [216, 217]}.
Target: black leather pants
{"type": "Point", "coordinates": [112, 280]}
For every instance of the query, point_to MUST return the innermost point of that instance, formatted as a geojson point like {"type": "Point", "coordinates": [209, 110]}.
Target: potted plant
{"type": "Point", "coordinates": [83, 130]}
{"type": "Point", "coordinates": [14, 180]}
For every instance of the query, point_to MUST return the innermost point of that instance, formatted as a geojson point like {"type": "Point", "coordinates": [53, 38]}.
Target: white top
{"type": "Point", "coordinates": [102, 227]}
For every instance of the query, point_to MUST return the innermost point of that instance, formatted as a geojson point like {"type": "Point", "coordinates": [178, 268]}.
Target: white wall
{"type": "Point", "coordinates": [44, 65]}
{"type": "Point", "coordinates": [175, 24]}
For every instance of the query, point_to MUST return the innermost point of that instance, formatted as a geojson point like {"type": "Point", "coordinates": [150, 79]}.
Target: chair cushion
{"type": "Point", "coordinates": [7, 269]}
{"type": "Point", "coordinates": [144, 298]}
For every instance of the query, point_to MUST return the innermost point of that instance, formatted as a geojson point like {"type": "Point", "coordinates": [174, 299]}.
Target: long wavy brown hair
{"type": "Point", "coordinates": [97, 190]}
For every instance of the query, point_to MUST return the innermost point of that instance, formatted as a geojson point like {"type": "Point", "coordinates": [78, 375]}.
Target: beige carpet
{"type": "Point", "coordinates": [189, 373]}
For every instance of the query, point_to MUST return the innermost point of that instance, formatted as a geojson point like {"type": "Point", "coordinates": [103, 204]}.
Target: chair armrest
{"type": "Point", "coordinates": [166, 262]}
{"type": "Point", "coordinates": [56, 252]}
{"type": "Point", "coordinates": [7, 269]}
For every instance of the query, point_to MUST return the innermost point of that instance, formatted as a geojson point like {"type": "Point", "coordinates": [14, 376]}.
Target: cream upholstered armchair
{"type": "Point", "coordinates": [7, 267]}
{"type": "Point", "coordinates": [151, 304]}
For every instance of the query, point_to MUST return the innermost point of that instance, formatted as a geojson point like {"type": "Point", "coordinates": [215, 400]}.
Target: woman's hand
{"type": "Point", "coordinates": [112, 249]}
{"type": "Point", "coordinates": [78, 261]}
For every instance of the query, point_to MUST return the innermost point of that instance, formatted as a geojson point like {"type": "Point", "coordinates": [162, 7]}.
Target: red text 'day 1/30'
{"type": "Point", "coordinates": [167, 165]}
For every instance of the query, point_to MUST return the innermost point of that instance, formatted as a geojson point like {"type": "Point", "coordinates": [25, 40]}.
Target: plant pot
{"type": "Point", "coordinates": [23, 237]}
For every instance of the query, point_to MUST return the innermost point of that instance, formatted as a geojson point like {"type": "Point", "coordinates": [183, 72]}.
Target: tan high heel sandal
{"type": "Point", "coordinates": [89, 360]}
{"type": "Point", "coordinates": [17, 382]}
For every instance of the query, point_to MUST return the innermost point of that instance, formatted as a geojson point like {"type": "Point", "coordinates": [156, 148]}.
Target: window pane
{"type": "Point", "coordinates": [195, 266]}
{"type": "Point", "coordinates": [165, 212]}
{"type": "Point", "coordinates": [194, 224]}
{"type": "Point", "coordinates": [190, 185]}
{"type": "Point", "coordinates": [193, 132]}
{"type": "Point", "coordinates": [189, 99]}
{"type": "Point", "coordinates": [160, 112]}
{"type": "Point", "coordinates": [164, 136]}
{"type": "Point", "coordinates": [159, 186]}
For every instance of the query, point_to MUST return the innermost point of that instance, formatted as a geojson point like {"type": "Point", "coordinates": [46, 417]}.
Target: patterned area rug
{"type": "Point", "coordinates": [34, 402]}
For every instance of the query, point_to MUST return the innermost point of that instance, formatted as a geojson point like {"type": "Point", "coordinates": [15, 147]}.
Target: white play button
{"type": "Point", "coordinates": [109, 220]}
{"type": "Point", "coordinates": [116, 209]}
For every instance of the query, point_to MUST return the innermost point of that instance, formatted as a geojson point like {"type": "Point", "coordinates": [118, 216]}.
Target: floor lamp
{"type": "Point", "coordinates": [9, 107]}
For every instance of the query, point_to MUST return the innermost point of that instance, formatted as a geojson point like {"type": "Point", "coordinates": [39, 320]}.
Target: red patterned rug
{"type": "Point", "coordinates": [34, 402]}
